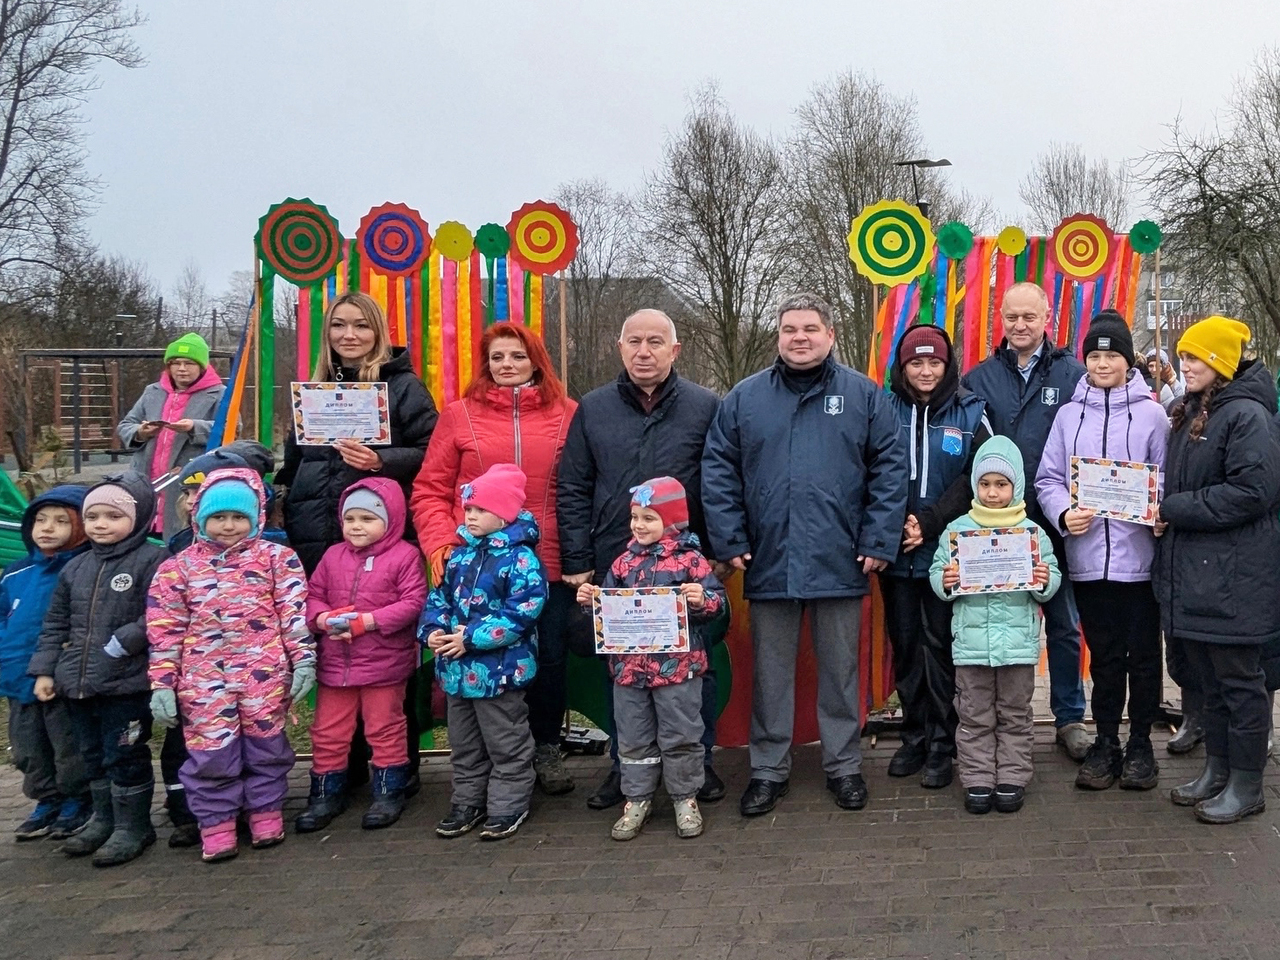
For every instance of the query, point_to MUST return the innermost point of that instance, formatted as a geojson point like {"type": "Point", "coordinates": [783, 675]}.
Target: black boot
{"type": "Point", "coordinates": [133, 832]}
{"type": "Point", "coordinates": [1102, 765]}
{"type": "Point", "coordinates": [1141, 772]}
{"type": "Point", "coordinates": [1242, 797]}
{"type": "Point", "coordinates": [1191, 732]}
{"type": "Point", "coordinates": [388, 797]}
{"type": "Point", "coordinates": [908, 759]}
{"type": "Point", "coordinates": [326, 800]}
{"type": "Point", "coordinates": [186, 832]}
{"type": "Point", "coordinates": [1206, 786]}
{"type": "Point", "coordinates": [100, 825]}
{"type": "Point", "coordinates": [608, 794]}
{"type": "Point", "coordinates": [938, 770]}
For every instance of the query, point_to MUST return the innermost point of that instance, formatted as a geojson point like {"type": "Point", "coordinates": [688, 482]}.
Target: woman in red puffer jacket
{"type": "Point", "coordinates": [515, 411]}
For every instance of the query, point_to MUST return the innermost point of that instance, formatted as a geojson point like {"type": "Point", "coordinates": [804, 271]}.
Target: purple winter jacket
{"type": "Point", "coordinates": [1123, 423]}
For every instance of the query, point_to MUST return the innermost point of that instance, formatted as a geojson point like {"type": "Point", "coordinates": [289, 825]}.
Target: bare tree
{"type": "Point", "coordinates": [713, 216]}
{"type": "Point", "coordinates": [1063, 181]}
{"type": "Point", "coordinates": [50, 51]}
{"type": "Point", "coordinates": [849, 135]}
{"type": "Point", "coordinates": [190, 303]}
{"type": "Point", "coordinates": [1217, 195]}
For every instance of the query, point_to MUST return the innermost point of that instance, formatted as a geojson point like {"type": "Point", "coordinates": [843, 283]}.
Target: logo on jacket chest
{"type": "Point", "coordinates": [953, 441]}
{"type": "Point", "coordinates": [1049, 396]}
{"type": "Point", "coordinates": [833, 404]}
{"type": "Point", "coordinates": [121, 582]}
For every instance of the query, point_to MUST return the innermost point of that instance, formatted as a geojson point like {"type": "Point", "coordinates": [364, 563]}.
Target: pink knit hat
{"type": "Point", "coordinates": [665, 496]}
{"type": "Point", "coordinates": [111, 495]}
{"type": "Point", "coordinates": [500, 490]}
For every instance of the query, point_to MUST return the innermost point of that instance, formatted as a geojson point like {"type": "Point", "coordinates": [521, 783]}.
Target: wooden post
{"type": "Point", "coordinates": [1155, 295]}
{"type": "Point", "coordinates": [257, 343]}
{"type": "Point", "coordinates": [564, 334]}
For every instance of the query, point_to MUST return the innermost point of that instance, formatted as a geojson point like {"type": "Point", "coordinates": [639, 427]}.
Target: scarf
{"type": "Point", "coordinates": [175, 405]}
{"type": "Point", "coordinates": [998, 516]}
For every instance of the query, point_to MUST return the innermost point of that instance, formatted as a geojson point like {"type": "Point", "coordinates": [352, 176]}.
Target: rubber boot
{"type": "Point", "coordinates": [1191, 732]}
{"type": "Point", "coordinates": [388, 797]}
{"type": "Point", "coordinates": [327, 799]}
{"type": "Point", "coordinates": [100, 825]}
{"type": "Point", "coordinates": [1242, 797]}
{"type": "Point", "coordinates": [186, 832]}
{"type": "Point", "coordinates": [133, 832]}
{"type": "Point", "coordinates": [1209, 784]}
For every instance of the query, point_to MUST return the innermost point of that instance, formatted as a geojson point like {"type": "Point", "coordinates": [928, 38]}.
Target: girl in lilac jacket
{"type": "Point", "coordinates": [363, 602]}
{"type": "Point", "coordinates": [1111, 415]}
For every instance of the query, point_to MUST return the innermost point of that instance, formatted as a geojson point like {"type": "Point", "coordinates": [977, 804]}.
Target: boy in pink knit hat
{"type": "Point", "coordinates": [480, 623]}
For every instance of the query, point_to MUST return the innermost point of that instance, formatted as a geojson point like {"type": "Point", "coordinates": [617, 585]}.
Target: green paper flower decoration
{"type": "Point", "coordinates": [955, 240]}
{"type": "Point", "coordinates": [1145, 237]}
{"type": "Point", "coordinates": [492, 241]}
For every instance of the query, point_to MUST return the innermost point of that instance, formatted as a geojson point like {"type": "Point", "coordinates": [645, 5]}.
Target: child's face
{"type": "Point", "coordinates": [1106, 368]}
{"type": "Point", "coordinates": [481, 523]}
{"type": "Point", "coordinates": [646, 525]}
{"type": "Point", "coordinates": [361, 528]}
{"type": "Point", "coordinates": [226, 528]}
{"type": "Point", "coordinates": [182, 505]}
{"type": "Point", "coordinates": [105, 524]}
{"type": "Point", "coordinates": [994, 490]}
{"type": "Point", "coordinates": [52, 529]}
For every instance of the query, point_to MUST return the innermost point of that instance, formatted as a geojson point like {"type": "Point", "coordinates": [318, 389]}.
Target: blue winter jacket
{"type": "Point", "coordinates": [25, 590]}
{"type": "Point", "coordinates": [493, 587]}
{"type": "Point", "coordinates": [805, 482]}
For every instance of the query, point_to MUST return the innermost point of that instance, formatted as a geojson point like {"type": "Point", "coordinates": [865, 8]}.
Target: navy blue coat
{"type": "Point", "coordinates": [1024, 411]}
{"type": "Point", "coordinates": [805, 483]}
{"type": "Point", "coordinates": [25, 590]}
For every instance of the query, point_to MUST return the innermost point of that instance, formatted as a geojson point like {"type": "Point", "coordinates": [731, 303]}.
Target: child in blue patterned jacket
{"type": "Point", "coordinates": [480, 623]}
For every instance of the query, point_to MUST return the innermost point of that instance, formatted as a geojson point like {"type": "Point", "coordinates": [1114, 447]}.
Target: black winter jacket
{"type": "Point", "coordinates": [1217, 570]}
{"type": "Point", "coordinates": [317, 476]}
{"type": "Point", "coordinates": [805, 482]}
{"type": "Point", "coordinates": [102, 593]}
{"type": "Point", "coordinates": [612, 446]}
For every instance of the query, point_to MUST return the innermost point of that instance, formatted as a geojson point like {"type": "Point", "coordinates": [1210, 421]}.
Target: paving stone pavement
{"type": "Point", "coordinates": [1071, 877]}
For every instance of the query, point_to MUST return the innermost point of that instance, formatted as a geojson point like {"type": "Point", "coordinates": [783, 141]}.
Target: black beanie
{"type": "Point", "coordinates": [1108, 331]}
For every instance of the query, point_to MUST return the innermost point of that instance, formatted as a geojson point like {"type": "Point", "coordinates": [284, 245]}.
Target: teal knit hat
{"type": "Point", "coordinates": [189, 346]}
{"type": "Point", "coordinates": [228, 496]}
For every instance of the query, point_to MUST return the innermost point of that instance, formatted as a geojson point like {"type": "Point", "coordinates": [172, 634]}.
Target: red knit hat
{"type": "Point", "coordinates": [924, 340]}
{"type": "Point", "coordinates": [500, 490]}
{"type": "Point", "coordinates": [665, 497]}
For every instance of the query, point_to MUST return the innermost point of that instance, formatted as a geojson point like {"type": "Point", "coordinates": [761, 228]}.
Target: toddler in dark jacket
{"type": "Point", "coordinates": [92, 652]}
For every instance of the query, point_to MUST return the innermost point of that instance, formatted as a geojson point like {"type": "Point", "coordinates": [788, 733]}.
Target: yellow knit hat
{"type": "Point", "coordinates": [1218, 341]}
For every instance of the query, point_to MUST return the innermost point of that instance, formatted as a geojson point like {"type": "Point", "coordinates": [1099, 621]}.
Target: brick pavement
{"type": "Point", "coordinates": [1071, 877]}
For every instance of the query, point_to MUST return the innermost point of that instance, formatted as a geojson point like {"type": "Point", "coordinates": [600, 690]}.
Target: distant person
{"type": "Point", "coordinates": [1172, 386]}
{"type": "Point", "coordinates": [170, 423]}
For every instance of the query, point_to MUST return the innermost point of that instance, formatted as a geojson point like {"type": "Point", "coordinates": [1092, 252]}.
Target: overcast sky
{"type": "Point", "coordinates": [465, 110]}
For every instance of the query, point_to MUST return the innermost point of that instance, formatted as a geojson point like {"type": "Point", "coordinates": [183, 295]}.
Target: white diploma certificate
{"type": "Point", "coordinates": [1116, 489]}
{"type": "Point", "coordinates": [995, 560]}
{"type": "Point", "coordinates": [641, 620]}
{"type": "Point", "coordinates": [325, 412]}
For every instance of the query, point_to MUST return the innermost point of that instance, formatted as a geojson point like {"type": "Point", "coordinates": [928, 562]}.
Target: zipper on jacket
{"type": "Point", "coordinates": [93, 603]}
{"type": "Point", "coordinates": [515, 418]}
{"type": "Point", "coordinates": [1106, 524]}
{"type": "Point", "coordinates": [346, 647]}
{"type": "Point", "coordinates": [924, 455]}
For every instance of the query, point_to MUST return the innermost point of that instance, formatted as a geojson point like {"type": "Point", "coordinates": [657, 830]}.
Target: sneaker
{"type": "Point", "coordinates": [1074, 738]}
{"type": "Point", "coordinates": [1140, 771]}
{"type": "Point", "coordinates": [978, 799]}
{"type": "Point", "coordinates": [688, 818]}
{"type": "Point", "coordinates": [460, 820]}
{"type": "Point", "coordinates": [1008, 798]}
{"type": "Point", "coordinates": [1102, 764]}
{"type": "Point", "coordinates": [266, 829]}
{"type": "Point", "coordinates": [548, 766]}
{"type": "Point", "coordinates": [41, 820]}
{"type": "Point", "coordinates": [499, 828]}
{"type": "Point", "coordinates": [633, 818]}
{"type": "Point", "coordinates": [73, 814]}
{"type": "Point", "coordinates": [713, 788]}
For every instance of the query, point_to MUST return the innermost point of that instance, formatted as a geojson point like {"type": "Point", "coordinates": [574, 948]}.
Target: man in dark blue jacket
{"type": "Point", "coordinates": [804, 486]}
{"type": "Point", "coordinates": [1024, 382]}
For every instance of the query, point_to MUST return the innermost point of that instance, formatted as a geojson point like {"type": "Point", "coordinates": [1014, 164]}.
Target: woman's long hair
{"type": "Point", "coordinates": [371, 366]}
{"type": "Point", "coordinates": [544, 375]}
{"type": "Point", "coordinates": [1204, 406]}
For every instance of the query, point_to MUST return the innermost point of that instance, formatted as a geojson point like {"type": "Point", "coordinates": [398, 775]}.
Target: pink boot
{"type": "Point", "coordinates": [267, 829]}
{"type": "Point", "coordinates": [218, 842]}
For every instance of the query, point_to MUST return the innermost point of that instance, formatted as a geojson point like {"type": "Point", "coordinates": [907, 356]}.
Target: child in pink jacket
{"type": "Point", "coordinates": [364, 602]}
{"type": "Point", "coordinates": [230, 651]}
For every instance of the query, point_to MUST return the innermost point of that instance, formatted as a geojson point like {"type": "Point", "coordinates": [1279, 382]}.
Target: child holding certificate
{"type": "Point", "coordinates": [481, 624]}
{"type": "Point", "coordinates": [1104, 461]}
{"type": "Point", "coordinates": [657, 697]}
{"type": "Point", "coordinates": [996, 637]}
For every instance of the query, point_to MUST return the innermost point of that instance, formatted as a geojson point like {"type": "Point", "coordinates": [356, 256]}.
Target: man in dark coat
{"type": "Point", "coordinates": [649, 423]}
{"type": "Point", "coordinates": [804, 482]}
{"type": "Point", "coordinates": [1024, 382]}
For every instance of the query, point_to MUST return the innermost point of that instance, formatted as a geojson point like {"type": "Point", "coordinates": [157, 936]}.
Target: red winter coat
{"type": "Point", "coordinates": [386, 579]}
{"type": "Point", "coordinates": [512, 425]}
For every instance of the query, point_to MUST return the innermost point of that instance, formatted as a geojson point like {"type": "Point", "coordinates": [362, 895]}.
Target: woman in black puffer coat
{"type": "Point", "coordinates": [1217, 577]}
{"type": "Point", "coordinates": [359, 349]}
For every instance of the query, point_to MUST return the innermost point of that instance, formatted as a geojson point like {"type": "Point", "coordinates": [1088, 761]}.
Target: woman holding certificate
{"type": "Point", "coordinates": [515, 411]}
{"type": "Point", "coordinates": [1217, 579]}
{"type": "Point", "coordinates": [1099, 482]}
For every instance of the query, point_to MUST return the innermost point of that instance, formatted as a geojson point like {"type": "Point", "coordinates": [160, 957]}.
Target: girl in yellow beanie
{"type": "Point", "coordinates": [1217, 579]}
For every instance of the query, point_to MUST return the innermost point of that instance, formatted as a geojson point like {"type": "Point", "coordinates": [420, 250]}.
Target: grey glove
{"type": "Point", "coordinates": [164, 707]}
{"type": "Point", "coordinates": [304, 678]}
{"type": "Point", "coordinates": [114, 649]}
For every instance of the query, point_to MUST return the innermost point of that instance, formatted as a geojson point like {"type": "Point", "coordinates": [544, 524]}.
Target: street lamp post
{"type": "Point", "coordinates": [923, 205]}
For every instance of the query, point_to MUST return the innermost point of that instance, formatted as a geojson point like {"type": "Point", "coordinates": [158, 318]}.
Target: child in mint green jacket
{"type": "Point", "coordinates": [996, 640]}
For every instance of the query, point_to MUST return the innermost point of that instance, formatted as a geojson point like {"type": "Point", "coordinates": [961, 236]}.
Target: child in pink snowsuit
{"type": "Point", "coordinates": [230, 650]}
{"type": "Point", "coordinates": [364, 600]}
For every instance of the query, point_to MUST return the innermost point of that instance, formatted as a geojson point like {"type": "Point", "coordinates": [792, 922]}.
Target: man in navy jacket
{"type": "Point", "coordinates": [1024, 382]}
{"type": "Point", "coordinates": [804, 487]}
